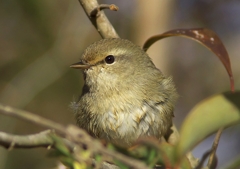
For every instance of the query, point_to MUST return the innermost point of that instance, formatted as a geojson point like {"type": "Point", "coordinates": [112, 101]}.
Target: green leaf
{"type": "Point", "coordinates": [151, 152]}
{"type": "Point", "coordinates": [207, 117]}
{"type": "Point", "coordinates": [62, 152]}
{"type": "Point", "coordinates": [60, 146]}
{"type": "Point", "coordinates": [167, 156]}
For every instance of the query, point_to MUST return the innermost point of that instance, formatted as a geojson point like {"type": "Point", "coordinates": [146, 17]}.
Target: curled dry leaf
{"type": "Point", "coordinates": [206, 37]}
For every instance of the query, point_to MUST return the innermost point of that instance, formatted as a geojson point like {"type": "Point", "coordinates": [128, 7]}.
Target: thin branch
{"type": "Point", "coordinates": [212, 159]}
{"type": "Point", "coordinates": [96, 10]}
{"type": "Point", "coordinates": [101, 22]}
{"type": "Point", "coordinates": [74, 134]}
{"type": "Point", "coordinates": [96, 147]}
{"type": "Point", "coordinates": [41, 139]}
{"type": "Point", "coordinates": [33, 118]}
{"type": "Point", "coordinates": [204, 157]}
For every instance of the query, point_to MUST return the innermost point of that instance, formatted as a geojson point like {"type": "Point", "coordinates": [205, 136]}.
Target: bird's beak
{"type": "Point", "coordinates": [80, 65]}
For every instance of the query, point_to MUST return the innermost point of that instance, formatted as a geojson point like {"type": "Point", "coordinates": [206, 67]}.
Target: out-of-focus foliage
{"type": "Point", "coordinates": [219, 111]}
{"type": "Point", "coordinates": [40, 39]}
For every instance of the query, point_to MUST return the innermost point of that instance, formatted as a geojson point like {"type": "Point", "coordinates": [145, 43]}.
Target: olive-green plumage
{"type": "Point", "coordinates": [124, 96]}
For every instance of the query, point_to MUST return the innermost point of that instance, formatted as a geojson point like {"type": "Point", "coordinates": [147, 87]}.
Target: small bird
{"type": "Point", "coordinates": [124, 96]}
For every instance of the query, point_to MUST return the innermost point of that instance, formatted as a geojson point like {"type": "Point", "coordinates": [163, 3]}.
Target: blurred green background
{"type": "Point", "coordinates": [40, 39]}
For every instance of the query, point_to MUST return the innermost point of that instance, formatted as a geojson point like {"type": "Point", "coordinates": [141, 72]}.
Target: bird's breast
{"type": "Point", "coordinates": [124, 123]}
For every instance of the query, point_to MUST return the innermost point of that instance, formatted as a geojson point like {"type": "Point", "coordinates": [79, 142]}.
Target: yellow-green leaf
{"type": "Point", "coordinates": [208, 116]}
{"type": "Point", "coordinates": [167, 157]}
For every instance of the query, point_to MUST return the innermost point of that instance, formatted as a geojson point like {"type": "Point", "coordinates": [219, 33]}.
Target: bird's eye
{"type": "Point", "coordinates": [109, 59]}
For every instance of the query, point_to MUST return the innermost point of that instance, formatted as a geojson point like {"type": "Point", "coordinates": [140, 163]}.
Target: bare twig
{"type": "Point", "coordinates": [41, 139]}
{"type": "Point", "coordinates": [101, 22]}
{"type": "Point", "coordinates": [204, 157]}
{"type": "Point", "coordinates": [73, 133]}
{"type": "Point", "coordinates": [96, 147]}
{"type": "Point", "coordinates": [212, 158]}
{"type": "Point", "coordinates": [96, 10]}
{"type": "Point", "coordinates": [211, 153]}
{"type": "Point", "coordinates": [21, 114]}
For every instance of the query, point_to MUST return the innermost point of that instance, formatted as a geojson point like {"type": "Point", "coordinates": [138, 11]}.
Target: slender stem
{"type": "Point", "coordinates": [212, 157]}
{"type": "Point", "coordinates": [96, 10]}
{"type": "Point", "coordinates": [74, 134]}
{"type": "Point", "coordinates": [21, 114]}
{"type": "Point", "coordinates": [41, 139]}
{"type": "Point", "coordinates": [100, 22]}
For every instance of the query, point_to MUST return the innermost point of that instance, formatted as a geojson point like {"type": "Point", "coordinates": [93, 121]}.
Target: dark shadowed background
{"type": "Point", "coordinates": [40, 39]}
